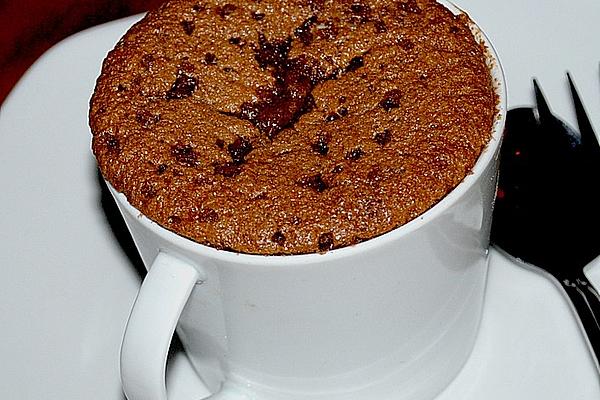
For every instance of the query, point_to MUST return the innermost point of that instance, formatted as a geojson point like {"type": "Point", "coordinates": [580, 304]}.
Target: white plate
{"type": "Point", "coordinates": [67, 285]}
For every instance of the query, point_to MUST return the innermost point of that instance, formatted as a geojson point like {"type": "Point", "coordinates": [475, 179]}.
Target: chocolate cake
{"type": "Point", "coordinates": [289, 127]}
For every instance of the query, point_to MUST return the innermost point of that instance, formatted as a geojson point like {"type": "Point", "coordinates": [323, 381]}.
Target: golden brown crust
{"type": "Point", "coordinates": [288, 127]}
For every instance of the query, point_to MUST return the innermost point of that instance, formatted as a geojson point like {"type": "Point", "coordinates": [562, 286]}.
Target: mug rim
{"type": "Point", "coordinates": [485, 158]}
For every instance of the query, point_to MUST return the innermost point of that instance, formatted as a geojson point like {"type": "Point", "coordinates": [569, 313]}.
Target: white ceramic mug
{"type": "Point", "coordinates": [394, 317]}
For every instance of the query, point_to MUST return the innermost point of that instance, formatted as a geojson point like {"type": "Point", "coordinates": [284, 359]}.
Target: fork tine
{"type": "Point", "coordinates": [588, 137]}
{"type": "Point", "coordinates": [543, 110]}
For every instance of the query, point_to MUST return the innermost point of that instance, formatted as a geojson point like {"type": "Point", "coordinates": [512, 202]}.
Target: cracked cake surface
{"type": "Point", "coordinates": [290, 127]}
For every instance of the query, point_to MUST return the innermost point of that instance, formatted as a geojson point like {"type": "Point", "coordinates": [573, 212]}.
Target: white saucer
{"type": "Point", "coordinates": [67, 284]}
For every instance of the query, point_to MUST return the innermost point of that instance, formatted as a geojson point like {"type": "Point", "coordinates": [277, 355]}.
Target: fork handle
{"type": "Point", "coordinates": [586, 302]}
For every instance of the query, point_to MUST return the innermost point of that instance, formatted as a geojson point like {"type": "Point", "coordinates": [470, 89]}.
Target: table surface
{"type": "Point", "coordinates": [67, 287]}
{"type": "Point", "coordinates": [30, 27]}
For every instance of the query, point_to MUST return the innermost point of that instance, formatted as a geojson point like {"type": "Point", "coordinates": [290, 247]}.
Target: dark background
{"type": "Point", "coordinates": [30, 27]}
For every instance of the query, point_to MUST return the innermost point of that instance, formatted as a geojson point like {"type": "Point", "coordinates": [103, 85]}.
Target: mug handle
{"type": "Point", "coordinates": [150, 328]}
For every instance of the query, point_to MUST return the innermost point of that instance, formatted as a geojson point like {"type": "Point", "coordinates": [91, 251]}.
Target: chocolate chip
{"type": "Point", "coordinates": [146, 118]}
{"type": "Point", "coordinates": [282, 105]}
{"type": "Point", "coordinates": [391, 100]}
{"type": "Point", "coordinates": [337, 169]}
{"type": "Point", "coordinates": [199, 7]}
{"type": "Point", "coordinates": [360, 12]}
{"type": "Point", "coordinates": [303, 31]}
{"type": "Point", "coordinates": [273, 121]}
{"type": "Point", "coordinates": [380, 26]}
{"type": "Point", "coordinates": [290, 97]}
{"type": "Point", "coordinates": [297, 70]}
{"type": "Point", "coordinates": [342, 99]}
{"type": "Point", "coordinates": [226, 10]}
{"type": "Point", "coordinates": [249, 111]}
{"type": "Point", "coordinates": [355, 63]}
{"type": "Point", "coordinates": [257, 15]}
{"type": "Point", "coordinates": [183, 87]}
{"type": "Point", "coordinates": [220, 143]}
{"type": "Point", "coordinates": [227, 169]}
{"type": "Point", "coordinates": [341, 112]}
{"type": "Point", "coordinates": [332, 117]}
{"type": "Point", "coordinates": [409, 6]}
{"type": "Point", "coordinates": [272, 53]}
{"type": "Point", "coordinates": [239, 149]}
{"type": "Point", "coordinates": [309, 104]}
{"type": "Point", "coordinates": [113, 144]}
{"type": "Point", "coordinates": [454, 29]}
{"type": "Point", "coordinates": [374, 175]}
{"type": "Point", "coordinates": [382, 138]}
{"type": "Point", "coordinates": [260, 196]}
{"type": "Point", "coordinates": [326, 241]}
{"type": "Point", "coordinates": [237, 41]}
{"type": "Point", "coordinates": [269, 93]}
{"type": "Point", "coordinates": [321, 146]}
{"type": "Point", "coordinates": [188, 26]}
{"type": "Point", "coordinates": [210, 58]}
{"type": "Point", "coordinates": [161, 169]}
{"type": "Point", "coordinates": [354, 154]}
{"type": "Point", "coordinates": [406, 44]}
{"type": "Point", "coordinates": [358, 8]}
{"type": "Point", "coordinates": [274, 117]}
{"type": "Point", "coordinates": [278, 237]}
{"type": "Point", "coordinates": [314, 182]}
{"type": "Point", "coordinates": [185, 154]}
{"type": "Point", "coordinates": [173, 220]}
{"type": "Point", "coordinates": [121, 88]}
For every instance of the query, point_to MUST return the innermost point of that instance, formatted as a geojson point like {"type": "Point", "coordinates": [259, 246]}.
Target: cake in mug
{"type": "Point", "coordinates": [290, 127]}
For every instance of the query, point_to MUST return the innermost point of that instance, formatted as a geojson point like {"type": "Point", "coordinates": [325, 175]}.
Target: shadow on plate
{"type": "Point", "coordinates": [119, 228]}
{"type": "Point", "coordinates": [123, 238]}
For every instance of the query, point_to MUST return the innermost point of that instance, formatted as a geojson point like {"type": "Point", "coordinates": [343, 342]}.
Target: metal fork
{"type": "Point", "coordinates": [548, 209]}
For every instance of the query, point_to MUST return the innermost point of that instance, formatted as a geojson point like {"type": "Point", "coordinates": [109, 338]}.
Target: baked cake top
{"type": "Point", "coordinates": [289, 127]}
